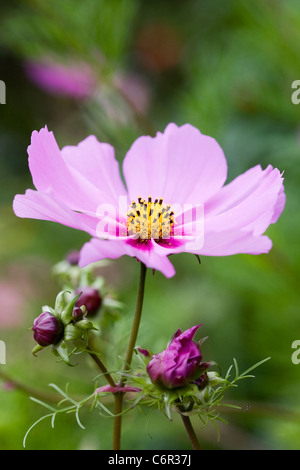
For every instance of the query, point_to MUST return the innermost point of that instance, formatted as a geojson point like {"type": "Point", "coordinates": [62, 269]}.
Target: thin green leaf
{"type": "Point", "coordinates": [105, 409]}
{"type": "Point", "coordinates": [45, 405]}
{"type": "Point", "coordinates": [53, 419]}
{"type": "Point", "coordinates": [77, 418]}
{"type": "Point", "coordinates": [33, 425]}
{"type": "Point", "coordinates": [255, 366]}
{"type": "Point", "coordinates": [61, 392]}
{"type": "Point", "coordinates": [236, 368]}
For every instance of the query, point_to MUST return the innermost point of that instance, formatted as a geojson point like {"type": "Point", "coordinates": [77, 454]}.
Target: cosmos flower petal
{"type": "Point", "coordinates": [181, 165]}
{"type": "Point", "coordinates": [186, 245]}
{"type": "Point", "coordinates": [234, 242]}
{"type": "Point", "coordinates": [251, 210]}
{"type": "Point", "coordinates": [97, 249]}
{"type": "Point", "coordinates": [95, 162]}
{"type": "Point", "coordinates": [71, 180]}
{"type": "Point", "coordinates": [187, 335]}
{"type": "Point", "coordinates": [44, 206]}
{"type": "Point", "coordinates": [279, 206]}
{"type": "Point", "coordinates": [237, 190]}
{"type": "Point", "coordinates": [152, 259]}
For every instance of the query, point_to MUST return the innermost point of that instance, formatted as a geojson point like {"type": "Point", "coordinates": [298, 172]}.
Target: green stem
{"type": "Point", "coordinates": [106, 374]}
{"type": "Point", "coordinates": [128, 358]}
{"type": "Point", "coordinates": [91, 350]}
{"type": "Point", "coordinates": [191, 433]}
{"type": "Point", "coordinates": [102, 368]}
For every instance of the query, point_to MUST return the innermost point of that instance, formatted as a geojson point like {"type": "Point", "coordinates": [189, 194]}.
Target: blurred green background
{"type": "Point", "coordinates": [225, 67]}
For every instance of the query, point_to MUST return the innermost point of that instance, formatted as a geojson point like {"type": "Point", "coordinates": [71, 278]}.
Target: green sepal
{"type": "Point", "coordinates": [144, 359]}
{"type": "Point", "coordinates": [98, 284]}
{"type": "Point", "coordinates": [72, 332]}
{"type": "Point", "coordinates": [66, 315]}
{"type": "Point", "coordinates": [59, 303]}
{"type": "Point", "coordinates": [201, 341]}
{"type": "Point", "coordinates": [214, 378]}
{"type": "Point", "coordinates": [37, 349]}
{"type": "Point", "coordinates": [84, 310]}
{"type": "Point", "coordinates": [84, 324]}
{"type": "Point", "coordinates": [112, 304]}
{"type": "Point", "coordinates": [61, 350]}
{"type": "Point", "coordinates": [46, 308]}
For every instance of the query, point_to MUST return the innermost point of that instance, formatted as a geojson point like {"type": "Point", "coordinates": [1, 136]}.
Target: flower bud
{"type": "Point", "coordinates": [144, 352]}
{"type": "Point", "coordinates": [179, 364]}
{"type": "Point", "coordinates": [90, 298]}
{"type": "Point", "coordinates": [78, 313]}
{"type": "Point", "coordinates": [202, 381]}
{"type": "Point", "coordinates": [47, 329]}
{"type": "Point", "coordinates": [73, 257]}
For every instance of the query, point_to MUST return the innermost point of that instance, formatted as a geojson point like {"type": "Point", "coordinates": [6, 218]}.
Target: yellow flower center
{"type": "Point", "coordinates": [147, 219]}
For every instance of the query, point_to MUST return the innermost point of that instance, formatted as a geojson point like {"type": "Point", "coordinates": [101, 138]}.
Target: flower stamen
{"type": "Point", "coordinates": [148, 219]}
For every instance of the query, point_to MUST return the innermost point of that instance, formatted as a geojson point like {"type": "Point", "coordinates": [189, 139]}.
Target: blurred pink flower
{"type": "Point", "coordinates": [75, 80]}
{"type": "Point", "coordinates": [168, 178]}
{"type": "Point", "coordinates": [19, 284]}
{"type": "Point", "coordinates": [136, 90]}
{"type": "Point", "coordinates": [12, 305]}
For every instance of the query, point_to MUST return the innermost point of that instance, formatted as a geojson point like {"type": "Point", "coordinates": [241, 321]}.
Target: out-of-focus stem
{"type": "Point", "coordinates": [101, 366]}
{"type": "Point", "coordinates": [128, 358]}
{"type": "Point", "coordinates": [30, 391]}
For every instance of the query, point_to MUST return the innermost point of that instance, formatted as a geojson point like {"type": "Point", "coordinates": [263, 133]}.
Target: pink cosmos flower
{"type": "Point", "coordinates": [174, 201]}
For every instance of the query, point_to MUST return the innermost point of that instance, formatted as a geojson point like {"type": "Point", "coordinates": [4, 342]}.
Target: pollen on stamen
{"type": "Point", "coordinates": [147, 219]}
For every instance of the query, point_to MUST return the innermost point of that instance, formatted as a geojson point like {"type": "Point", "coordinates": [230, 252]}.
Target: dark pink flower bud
{"type": "Point", "coordinates": [145, 352]}
{"type": "Point", "coordinates": [202, 381]}
{"type": "Point", "coordinates": [73, 257]}
{"type": "Point", "coordinates": [77, 314]}
{"type": "Point", "coordinates": [90, 298]}
{"type": "Point", "coordinates": [47, 329]}
{"type": "Point", "coordinates": [179, 364]}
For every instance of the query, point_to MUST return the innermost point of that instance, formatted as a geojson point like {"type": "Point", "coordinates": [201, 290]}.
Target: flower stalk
{"type": "Point", "coordinates": [128, 358]}
{"type": "Point", "coordinates": [102, 367]}
{"type": "Point", "coordinates": [190, 431]}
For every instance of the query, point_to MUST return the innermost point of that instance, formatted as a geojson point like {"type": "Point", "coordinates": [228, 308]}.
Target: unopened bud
{"type": "Point", "coordinates": [78, 313]}
{"type": "Point", "coordinates": [90, 298]}
{"type": "Point", "coordinates": [178, 364]}
{"type": "Point", "coordinates": [73, 257]}
{"type": "Point", "coordinates": [47, 329]}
